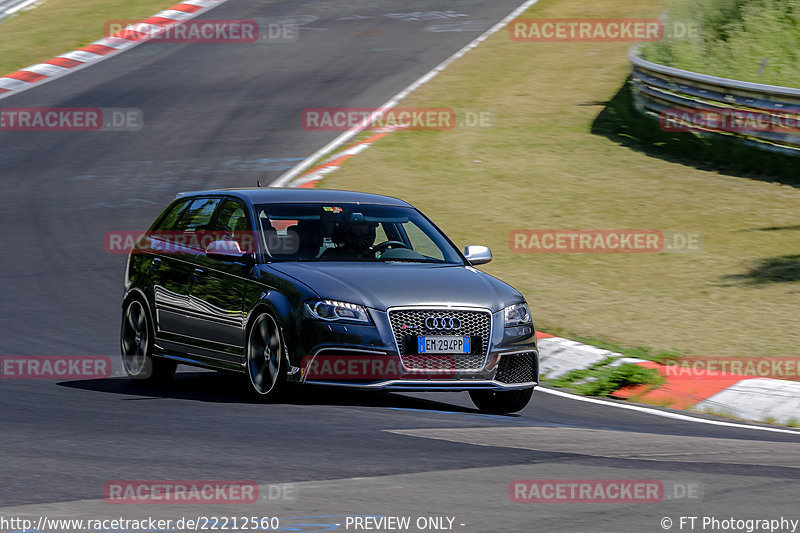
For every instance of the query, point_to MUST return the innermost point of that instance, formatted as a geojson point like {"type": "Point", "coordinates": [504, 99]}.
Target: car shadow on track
{"type": "Point", "coordinates": [228, 388]}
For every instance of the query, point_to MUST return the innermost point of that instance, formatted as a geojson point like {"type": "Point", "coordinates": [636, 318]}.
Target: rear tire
{"type": "Point", "coordinates": [265, 366]}
{"type": "Point", "coordinates": [501, 402]}
{"type": "Point", "coordinates": [137, 337]}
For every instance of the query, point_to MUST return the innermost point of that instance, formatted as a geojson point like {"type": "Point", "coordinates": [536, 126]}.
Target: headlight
{"type": "Point", "coordinates": [517, 315]}
{"type": "Point", "coordinates": [331, 311]}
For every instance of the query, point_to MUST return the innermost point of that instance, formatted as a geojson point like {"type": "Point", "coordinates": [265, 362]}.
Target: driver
{"type": "Point", "coordinates": [353, 240]}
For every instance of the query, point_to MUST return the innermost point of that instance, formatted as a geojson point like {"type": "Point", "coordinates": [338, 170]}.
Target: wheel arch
{"type": "Point", "coordinates": [137, 293]}
{"type": "Point", "coordinates": [276, 304]}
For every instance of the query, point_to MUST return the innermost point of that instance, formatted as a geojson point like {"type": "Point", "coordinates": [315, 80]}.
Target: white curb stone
{"type": "Point", "coordinates": [759, 399]}
{"type": "Point", "coordinates": [557, 356]}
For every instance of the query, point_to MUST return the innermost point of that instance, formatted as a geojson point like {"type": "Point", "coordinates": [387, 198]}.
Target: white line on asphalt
{"type": "Point", "coordinates": [665, 414]}
{"type": "Point", "coordinates": [349, 134]}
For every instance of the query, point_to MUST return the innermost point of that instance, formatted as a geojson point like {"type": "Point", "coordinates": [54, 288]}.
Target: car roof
{"type": "Point", "coordinates": [267, 195]}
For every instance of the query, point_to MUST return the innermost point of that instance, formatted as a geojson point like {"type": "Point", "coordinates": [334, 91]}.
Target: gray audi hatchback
{"type": "Point", "coordinates": [326, 287]}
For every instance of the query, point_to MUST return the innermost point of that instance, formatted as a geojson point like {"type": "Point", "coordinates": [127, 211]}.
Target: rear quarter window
{"type": "Point", "coordinates": [198, 216]}
{"type": "Point", "coordinates": [166, 221]}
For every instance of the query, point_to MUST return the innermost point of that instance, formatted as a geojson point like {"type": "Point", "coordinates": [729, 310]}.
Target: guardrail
{"type": "Point", "coordinates": [9, 7]}
{"type": "Point", "coordinates": [658, 90]}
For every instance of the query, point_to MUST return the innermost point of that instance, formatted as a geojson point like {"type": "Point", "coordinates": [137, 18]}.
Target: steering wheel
{"type": "Point", "coordinates": [385, 245]}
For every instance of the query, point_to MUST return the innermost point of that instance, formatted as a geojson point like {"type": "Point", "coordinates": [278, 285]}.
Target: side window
{"type": "Point", "coordinates": [232, 217]}
{"type": "Point", "coordinates": [232, 222]}
{"type": "Point", "coordinates": [168, 220]}
{"type": "Point", "coordinates": [198, 216]}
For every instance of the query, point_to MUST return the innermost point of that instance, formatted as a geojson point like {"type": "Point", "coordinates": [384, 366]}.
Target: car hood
{"type": "Point", "coordinates": [385, 285]}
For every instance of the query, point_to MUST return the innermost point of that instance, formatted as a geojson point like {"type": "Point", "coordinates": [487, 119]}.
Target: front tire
{"type": "Point", "coordinates": [501, 402]}
{"type": "Point", "coordinates": [137, 337]}
{"type": "Point", "coordinates": [265, 367]}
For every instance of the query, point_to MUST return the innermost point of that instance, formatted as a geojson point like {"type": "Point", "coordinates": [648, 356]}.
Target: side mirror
{"type": "Point", "coordinates": [226, 251]}
{"type": "Point", "coordinates": [477, 255]}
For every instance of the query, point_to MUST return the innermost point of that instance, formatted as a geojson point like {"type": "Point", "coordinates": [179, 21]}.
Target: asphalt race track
{"type": "Point", "coordinates": [225, 115]}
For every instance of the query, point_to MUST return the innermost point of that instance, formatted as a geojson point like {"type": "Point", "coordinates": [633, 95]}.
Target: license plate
{"type": "Point", "coordinates": [443, 344]}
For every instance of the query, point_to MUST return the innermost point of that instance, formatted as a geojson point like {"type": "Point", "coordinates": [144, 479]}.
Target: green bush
{"type": "Point", "coordinates": [602, 379]}
{"type": "Point", "coordinates": [748, 40]}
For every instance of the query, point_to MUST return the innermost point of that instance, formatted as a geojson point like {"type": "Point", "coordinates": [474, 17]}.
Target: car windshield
{"type": "Point", "coordinates": [352, 232]}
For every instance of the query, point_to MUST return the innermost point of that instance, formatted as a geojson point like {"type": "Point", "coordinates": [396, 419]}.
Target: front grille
{"type": "Point", "coordinates": [517, 368]}
{"type": "Point", "coordinates": [411, 322]}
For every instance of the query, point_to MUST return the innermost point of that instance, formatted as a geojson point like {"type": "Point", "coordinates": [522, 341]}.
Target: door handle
{"type": "Point", "coordinates": [156, 263]}
{"type": "Point", "coordinates": [196, 275]}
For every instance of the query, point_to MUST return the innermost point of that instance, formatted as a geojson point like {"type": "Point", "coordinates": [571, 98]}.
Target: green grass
{"type": "Point", "coordinates": [723, 413]}
{"type": "Point", "coordinates": [556, 159]}
{"type": "Point", "coordinates": [750, 40]}
{"type": "Point", "coordinates": [58, 26]}
{"type": "Point", "coordinates": [640, 352]}
{"type": "Point", "coordinates": [602, 379]}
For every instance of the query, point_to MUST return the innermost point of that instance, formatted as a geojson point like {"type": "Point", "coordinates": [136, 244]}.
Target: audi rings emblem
{"type": "Point", "coordinates": [442, 322]}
